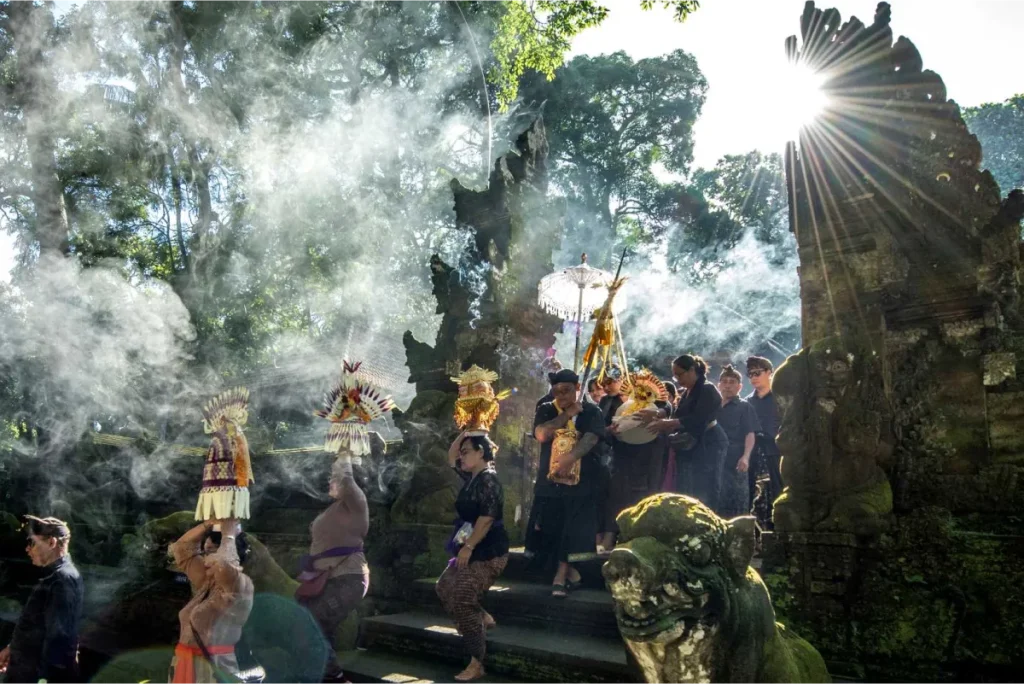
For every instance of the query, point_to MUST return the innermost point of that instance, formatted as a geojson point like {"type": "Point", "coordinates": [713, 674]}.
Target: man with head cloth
{"type": "Point", "coordinates": [563, 520]}
{"type": "Point", "coordinates": [45, 640]}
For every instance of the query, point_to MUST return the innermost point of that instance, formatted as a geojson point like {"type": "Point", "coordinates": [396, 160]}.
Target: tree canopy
{"type": "Point", "coordinates": [617, 128]}
{"type": "Point", "coordinates": [1000, 129]}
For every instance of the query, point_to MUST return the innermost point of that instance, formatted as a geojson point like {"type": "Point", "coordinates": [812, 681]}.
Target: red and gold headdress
{"type": "Point", "coordinates": [643, 389]}
{"type": "Point", "coordinates": [351, 405]}
{"type": "Point", "coordinates": [477, 406]}
{"type": "Point", "coordinates": [227, 471]}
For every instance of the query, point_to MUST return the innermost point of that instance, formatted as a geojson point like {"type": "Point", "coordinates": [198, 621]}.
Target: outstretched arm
{"type": "Point", "coordinates": [353, 499]}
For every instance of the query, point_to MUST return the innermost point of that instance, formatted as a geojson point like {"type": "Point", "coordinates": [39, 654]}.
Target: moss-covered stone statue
{"type": "Point", "coordinates": [690, 607]}
{"type": "Point", "coordinates": [835, 436]}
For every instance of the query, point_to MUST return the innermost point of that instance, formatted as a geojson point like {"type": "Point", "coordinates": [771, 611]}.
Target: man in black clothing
{"type": "Point", "coordinates": [45, 640]}
{"type": "Point", "coordinates": [563, 520]}
{"type": "Point", "coordinates": [760, 371]}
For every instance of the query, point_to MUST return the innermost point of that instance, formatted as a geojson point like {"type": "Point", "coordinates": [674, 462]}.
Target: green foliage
{"type": "Point", "coordinates": [680, 8]}
{"type": "Point", "coordinates": [1000, 129]}
{"type": "Point", "coordinates": [536, 34]}
{"type": "Point", "coordinates": [615, 127]}
{"type": "Point", "coordinates": [741, 193]}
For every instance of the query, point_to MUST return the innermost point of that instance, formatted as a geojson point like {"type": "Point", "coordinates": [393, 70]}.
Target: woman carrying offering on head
{"type": "Point", "coordinates": [334, 575]}
{"type": "Point", "coordinates": [211, 553]}
{"type": "Point", "coordinates": [700, 443]}
{"type": "Point", "coordinates": [480, 545]}
{"type": "Point", "coordinates": [211, 556]}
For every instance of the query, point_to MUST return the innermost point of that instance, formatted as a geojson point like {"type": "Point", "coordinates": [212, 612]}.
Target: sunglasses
{"type": "Point", "coordinates": [756, 374]}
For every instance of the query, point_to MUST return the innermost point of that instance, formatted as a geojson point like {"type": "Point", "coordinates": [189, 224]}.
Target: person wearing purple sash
{"type": "Point", "coordinates": [335, 575]}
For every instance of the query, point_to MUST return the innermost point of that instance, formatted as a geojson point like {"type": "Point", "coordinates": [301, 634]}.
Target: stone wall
{"type": "Point", "coordinates": [898, 546]}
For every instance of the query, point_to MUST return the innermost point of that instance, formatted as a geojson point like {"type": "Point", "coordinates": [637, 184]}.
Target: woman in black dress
{"type": "Point", "coordinates": [481, 543]}
{"type": "Point", "coordinates": [700, 443]}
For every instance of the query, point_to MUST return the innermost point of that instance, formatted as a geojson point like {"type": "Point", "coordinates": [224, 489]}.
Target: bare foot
{"type": "Point", "coordinates": [489, 621]}
{"type": "Point", "coordinates": [474, 670]}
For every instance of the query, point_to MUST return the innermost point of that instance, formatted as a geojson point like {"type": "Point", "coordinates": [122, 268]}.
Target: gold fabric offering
{"type": "Point", "coordinates": [561, 449]}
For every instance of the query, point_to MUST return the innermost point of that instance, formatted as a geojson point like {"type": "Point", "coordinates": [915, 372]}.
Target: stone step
{"type": "Point", "coordinates": [526, 653]}
{"type": "Point", "coordinates": [520, 567]}
{"type": "Point", "coordinates": [369, 666]}
{"type": "Point", "coordinates": [530, 604]}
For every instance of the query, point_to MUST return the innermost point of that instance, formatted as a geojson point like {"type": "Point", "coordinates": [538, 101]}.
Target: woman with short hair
{"type": "Point", "coordinates": [479, 544]}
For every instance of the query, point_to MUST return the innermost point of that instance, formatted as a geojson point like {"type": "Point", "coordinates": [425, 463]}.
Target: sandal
{"type": "Point", "coordinates": [559, 590]}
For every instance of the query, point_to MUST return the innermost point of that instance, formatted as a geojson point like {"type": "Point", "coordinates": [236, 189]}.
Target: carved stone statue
{"type": "Point", "coordinates": [688, 604]}
{"type": "Point", "coordinates": [490, 318]}
{"type": "Point", "coordinates": [836, 436]}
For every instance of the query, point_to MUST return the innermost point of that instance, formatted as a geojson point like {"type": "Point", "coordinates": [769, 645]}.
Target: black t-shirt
{"type": "Point", "coordinates": [590, 421]}
{"type": "Point", "coordinates": [738, 419]}
{"type": "Point", "coordinates": [768, 416]}
{"type": "Point", "coordinates": [483, 495]}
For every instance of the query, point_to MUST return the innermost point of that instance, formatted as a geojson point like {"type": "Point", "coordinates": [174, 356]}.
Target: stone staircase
{"type": "Point", "coordinates": [538, 638]}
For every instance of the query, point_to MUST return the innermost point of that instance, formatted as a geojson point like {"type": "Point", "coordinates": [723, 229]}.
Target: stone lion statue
{"type": "Point", "coordinates": [690, 607]}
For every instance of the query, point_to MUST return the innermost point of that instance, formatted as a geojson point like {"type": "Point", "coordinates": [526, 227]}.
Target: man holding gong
{"type": "Point", "coordinates": [563, 520]}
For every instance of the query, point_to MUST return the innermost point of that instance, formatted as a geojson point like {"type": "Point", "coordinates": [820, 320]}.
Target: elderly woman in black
{"type": "Point", "coordinates": [700, 443]}
{"type": "Point", "coordinates": [483, 554]}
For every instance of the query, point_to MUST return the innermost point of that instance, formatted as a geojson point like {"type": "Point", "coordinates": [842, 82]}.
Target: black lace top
{"type": "Point", "coordinates": [483, 496]}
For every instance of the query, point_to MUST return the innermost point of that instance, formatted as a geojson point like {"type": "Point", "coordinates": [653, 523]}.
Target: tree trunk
{"type": "Point", "coordinates": [35, 91]}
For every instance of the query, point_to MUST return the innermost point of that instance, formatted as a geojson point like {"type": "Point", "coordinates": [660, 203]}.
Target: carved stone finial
{"type": "Point", "coordinates": [883, 14]}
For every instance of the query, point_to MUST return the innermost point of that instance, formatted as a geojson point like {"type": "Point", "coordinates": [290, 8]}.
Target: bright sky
{"type": "Point", "coordinates": [977, 48]}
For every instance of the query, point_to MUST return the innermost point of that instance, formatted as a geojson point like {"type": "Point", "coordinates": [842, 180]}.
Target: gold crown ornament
{"type": "Point", "coordinates": [477, 406]}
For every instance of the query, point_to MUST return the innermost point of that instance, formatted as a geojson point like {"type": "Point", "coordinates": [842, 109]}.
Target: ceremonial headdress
{"type": "Point", "coordinates": [352, 404]}
{"type": "Point", "coordinates": [643, 389]}
{"type": "Point", "coordinates": [477, 406]}
{"type": "Point", "coordinates": [227, 471]}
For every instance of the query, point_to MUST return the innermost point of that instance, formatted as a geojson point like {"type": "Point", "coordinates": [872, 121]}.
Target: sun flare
{"type": "Point", "coordinates": [802, 99]}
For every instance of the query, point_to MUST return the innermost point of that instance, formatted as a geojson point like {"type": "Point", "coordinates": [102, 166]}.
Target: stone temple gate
{"type": "Point", "coordinates": [898, 549]}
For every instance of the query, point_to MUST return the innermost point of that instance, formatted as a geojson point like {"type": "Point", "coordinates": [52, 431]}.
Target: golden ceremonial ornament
{"type": "Point", "coordinates": [561, 449]}
{"type": "Point", "coordinates": [477, 407]}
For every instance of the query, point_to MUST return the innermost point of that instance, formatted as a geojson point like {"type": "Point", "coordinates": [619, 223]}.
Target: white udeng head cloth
{"type": "Point", "coordinates": [351, 406]}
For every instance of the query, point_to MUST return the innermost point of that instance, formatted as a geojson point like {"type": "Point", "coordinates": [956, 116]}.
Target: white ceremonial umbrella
{"type": "Point", "coordinates": [574, 293]}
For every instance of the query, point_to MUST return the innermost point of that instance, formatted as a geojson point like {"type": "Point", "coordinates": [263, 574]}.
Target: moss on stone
{"type": "Point", "coordinates": [435, 507]}
{"type": "Point", "coordinates": [788, 658]}
{"type": "Point", "coordinates": [667, 516]}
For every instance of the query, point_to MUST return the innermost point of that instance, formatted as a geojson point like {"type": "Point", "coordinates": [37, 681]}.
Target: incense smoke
{"type": "Point", "coordinates": [330, 214]}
